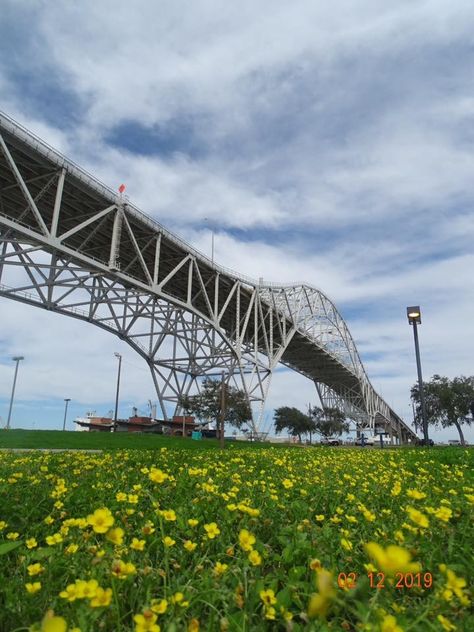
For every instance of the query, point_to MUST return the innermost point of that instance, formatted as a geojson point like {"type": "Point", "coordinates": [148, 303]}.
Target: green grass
{"type": "Point", "coordinates": [56, 439]}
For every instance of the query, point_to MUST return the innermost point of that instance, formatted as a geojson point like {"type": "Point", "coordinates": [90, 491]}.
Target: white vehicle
{"type": "Point", "coordinates": [331, 441]}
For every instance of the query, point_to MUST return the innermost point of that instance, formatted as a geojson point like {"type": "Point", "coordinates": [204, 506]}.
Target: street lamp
{"type": "Point", "coordinates": [414, 318]}
{"type": "Point", "coordinates": [17, 360]}
{"type": "Point", "coordinates": [212, 241]}
{"type": "Point", "coordinates": [117, 355]}
{"type": "Point", "coordinates": [67, 400]}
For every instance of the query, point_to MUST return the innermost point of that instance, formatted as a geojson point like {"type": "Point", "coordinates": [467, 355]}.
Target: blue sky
{"type": "Point", "coordinates": [326, 143]}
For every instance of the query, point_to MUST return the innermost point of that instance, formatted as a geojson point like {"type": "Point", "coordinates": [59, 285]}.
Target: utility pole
{"type": "Point", "coordinates": [223, 412]}
{"type": "Point", "coordinates": [67, 400]}
{"type": "Point", "coordinates": [17, 360]}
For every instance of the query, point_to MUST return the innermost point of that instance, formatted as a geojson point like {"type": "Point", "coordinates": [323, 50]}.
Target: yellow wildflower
{"type": "Point", "coordinates": [101, 520]}
{"type": "Point", "coordinates": [52, 623]}
{"type": "Point", "coordinates": [189, 546]}
{"type": "Point", "coordinates": [320, 602]}
{"type": "Point", "coordinates": [102, 598]}
{"type": "Point", "coordinates": [159, 606]}
{"type": "Point", "coordinates": [246, 540]}
{"type": "Point", "coordinates": [137, 545]}
{"type": "Point", "coordinates": [417, 517]}
{"type": "Point", "coordinates": [389, 624]}
{"type": "Point", "coordinates": [33, 587]}
{"type": "Point", "coordinates": [393, 559]}
{"type": "Point", "coordinates": [443, 513]}
{"type": "Point", "coordinates": [346, 544]}
{"type": "Point", "coordinates": [415, 494]}
{"type": "Point", "coordinates": [35, 569]}
{"type": "Point", "coordinates": [192, 522]}
{"type": "Point", "coordinates": [157, 476]}
{"type": "Point", "coordinates": [31, 543]}
{"type": "Point", "coordinates": [146, 622]}
{"type": "Point", "coordinates": [447, 625]}
{"type": "Point", "coordinates": [193, 625]}
{"type": "Point", "coordinates": [220, 569]}
{"type": "Point", "coordinates": [212, 530]}
{"type": "Point", "coordinates": [115, 535]}
{"type": "Point", "coordinates": [168, 542]}
{"type": "Point", "coordinates": [268, 597]}
{"type": "Point", "coordinates": [255, 558]}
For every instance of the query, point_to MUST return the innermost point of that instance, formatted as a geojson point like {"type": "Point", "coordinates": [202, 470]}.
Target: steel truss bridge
{"type": "Point", "coordinates": [71, 245]}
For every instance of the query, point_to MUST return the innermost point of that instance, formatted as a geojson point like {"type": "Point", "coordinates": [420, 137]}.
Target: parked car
{"type": "Point", "coordinates": [330, 441]}
{"type": "Point", "coordinates": [422, 442]}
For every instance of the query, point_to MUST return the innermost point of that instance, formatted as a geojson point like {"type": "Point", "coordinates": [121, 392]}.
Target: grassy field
{"type": "Point", "coordinates": [97, 440]}
{"type": "Point", "coordinates": [269, 539]}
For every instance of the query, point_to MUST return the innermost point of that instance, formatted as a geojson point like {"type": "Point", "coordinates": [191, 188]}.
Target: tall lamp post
{"type": "Point", "coordinates": [17, 360]}
{"type": "Point", "coordinates": [67, 400]}
{"type": "Point", "coordinates": [414, 318]}
{"type": "Point", "coordinates": [212, 241]}
{"type": "Point", "coordinates": [117, 355]}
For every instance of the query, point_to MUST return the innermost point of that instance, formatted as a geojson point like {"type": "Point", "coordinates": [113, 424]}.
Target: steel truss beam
{"type": "Point", "coordinates": [70, 245]}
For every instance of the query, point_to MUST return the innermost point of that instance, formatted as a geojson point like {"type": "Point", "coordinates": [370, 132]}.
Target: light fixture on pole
{"type": "Point", "coordinates": [17, 360]}
{"type": "Point", "coordinates": [414, 319]}
{"type": "Point", "coordinates": [212, 241]}
{"type": "Point", "coordinates": [67, 400]}
{"type": "Point", "coordinates": [117, 355]}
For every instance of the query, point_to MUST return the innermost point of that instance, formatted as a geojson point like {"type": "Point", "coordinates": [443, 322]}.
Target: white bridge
{"type": "Point", "coordinates": [71, 245]}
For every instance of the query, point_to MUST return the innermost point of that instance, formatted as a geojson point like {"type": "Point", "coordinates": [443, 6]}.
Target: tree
{"type": "Point", "coordinates": [447, 402]}
{"type": "Point", "coordinates": [329, 422]}
{"type": "Point", "coordinates": [207, 404]}
{"type": "Point", "coordinates": [293, 420]}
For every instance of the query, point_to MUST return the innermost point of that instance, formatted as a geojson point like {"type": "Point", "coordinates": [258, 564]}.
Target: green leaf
{"type": "Point", "coordinates": [6, 547]}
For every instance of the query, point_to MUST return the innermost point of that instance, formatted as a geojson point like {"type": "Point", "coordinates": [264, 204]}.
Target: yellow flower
{"type": "Point", "coordinates": [393, 559]}
{"type": "Point", "coordinates": [193, 625]}
{"type": "Point", "coordinates": [122, 569]}
{"type": "Point", "coordinates": [86, 589]}
{"type": "Point", "coordinates": [168, 542]}
{"type": "Point", "coordinates": [314, 564]}
{"type": "Point", "coordinates": [396, 489]}
{"type": "Point", "coordinates": [246, 540]}
{"type": "Point", "coordinates": [56, 538]}
{"type": "Point", "coordinates": [189, 546]}
{"type": "Point", "coordinates": [169, 515]}
{"type": "Point", "coordinates": [417, 517]}
{"type": "Point", "coordinates": [346, 544]}
{"type": "Point", "coordinates": [192, 522]}
{"type": "Point", "coordinates": [102, 598]}
{"type": "Point", "coordinates": [255, 558]}
{"type": "Point", "coordinates": [71, 549]}
{"type": "Point", "coordinates": [270, 613]}
{"type": "Point", "coordinates": [212, 530]}
{"type": "Point", "coordinates": [70, 593]}
{"type": "Point", "coordinates": [31, 543]}
{"type": "Point", "coordinates": [268, 597]}
{"type": "Point", "coordinates": [146, 622]}
{"type": "Point", "coordinates": [101, 520]}
{"type": "Point", "coordinates": [319, 517]}
{"type": "Point", "coordinates": [287, 484]}
{"type": "Point", "coordinates": [415, 494]}
{"type": "Point", "coordinates": [389, 624]}
{"type": "Point", "coordinates": [447, 625]}
{"type": "Point", "coordinates": [220, 569]}
{"type": "Point", "coordinates": [443, 513]}
{"type": "Point", "coordinates": [51, 623]}
{"type": "Point", "coordinates": [159, 606]}
{"type": "Point", "coordinates": [34, 569]}
{"type": "Point", "coordinates": [157, 476]}
{"type": "Point", "coordinates": [368, 515]}
{"type": "Point", "coordinates": [454, 586]}
{"type": "Point", "coordinates": [178, 598]}
{"type": "Point", "coordinates": [121, 497]}
{"type": "Point", "coordinates": [32, 588]}
{"type": "Point", "coordinates": [13, 535]}
{"type": "Point", "coordinates": [115, 535]}
{"type": "Point", "coordinates": [137, 545]}
{"type": "Point", "coordinates": [320, 602]}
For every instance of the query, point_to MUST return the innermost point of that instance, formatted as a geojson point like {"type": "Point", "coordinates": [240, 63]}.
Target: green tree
{"type": "Point", "coordinates": [293, 420]}
{"type": "Point", "coordinates": [206, 406]}
{"type": "Point", "coordinates": [447, 402]}
{"type": "Point", "coordinates": [329, 421]}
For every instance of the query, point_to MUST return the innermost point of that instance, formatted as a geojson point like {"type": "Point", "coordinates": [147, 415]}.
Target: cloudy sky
{"type": "Point", "coordinates": [326, 142]}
